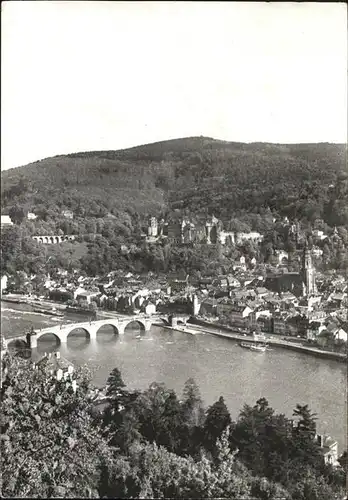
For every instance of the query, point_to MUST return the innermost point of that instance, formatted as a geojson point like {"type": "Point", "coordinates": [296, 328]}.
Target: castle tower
{"type": "Point", "coordinates": [187, 231]}
{"type": "Point", "coordinates": [153, 227]}
{"type": "Point", "coordinates": [195, 305]}
{"type": "Point", "coordinates": [295, 230]}
{"type": "Point", "coordinates": [3, 345]}
{"type": "Point", "coordinates": [160, 227]}
{"type": "Point", "coordinates": [208, 228]}
{"type": "Point", "coordinates": [212, 230]}
{"type": "Point", "coordinates": [308, 272]}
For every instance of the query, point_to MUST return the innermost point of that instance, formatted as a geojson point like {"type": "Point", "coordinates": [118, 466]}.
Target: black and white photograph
{"type": "Point", "coordinates": [174, 250]}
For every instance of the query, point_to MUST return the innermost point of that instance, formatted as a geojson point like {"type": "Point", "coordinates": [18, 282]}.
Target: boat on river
{"type": "Point", "coordinates": [13, 300]}
{"type": "Point", "coordinates": [50, 311]}
{"type": "Point", "coordinates": [81, 310]}
{"type": "Point", "coordinates": [253, 346]}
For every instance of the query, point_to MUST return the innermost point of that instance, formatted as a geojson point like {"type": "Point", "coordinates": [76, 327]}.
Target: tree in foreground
{"type": "Point", "coordinates": [119, 421]}
{"type": "Point", "coordinates": [217, 420]}
{"type": "Point", "coordinates": [49, 446]}
{"type": "Point", "coordinates": [159, 418]}
{"type": "Point", "coordinates": [305, 449]}
{"type": "Point", "coordinates": [151, 471]}
{"type": "Point", "coordinates": [192, 405]}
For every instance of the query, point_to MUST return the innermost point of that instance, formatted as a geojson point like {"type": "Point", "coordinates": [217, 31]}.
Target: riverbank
{"type": "Point", "coordinates": [23, 299]}
{"type": "Point", "coordinates": [221, 331]}
{"type": "Point", "coordinates": [196, 326]}
{"type": "Point", "coordinates": [38, 306]}
{"type": "Point", "coordinates": [13, 299]}
{"type": "Point", "coordinates": [183, 329]}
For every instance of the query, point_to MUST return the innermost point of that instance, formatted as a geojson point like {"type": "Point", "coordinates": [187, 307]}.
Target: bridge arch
{"type": "Point", "coordinates": [16, 344]}
{"type": "Point", "coordinates": [74, 328]}
{"type": "Point", "coordinates": [52, 333]}
{"type": "Point", "coordinates": [135, 322]}
{"type": "Point", "coordinates": [115, 329]}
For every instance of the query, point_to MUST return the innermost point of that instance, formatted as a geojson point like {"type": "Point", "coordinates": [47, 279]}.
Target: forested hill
{"type": "Point", "coordinates": [197, 175]}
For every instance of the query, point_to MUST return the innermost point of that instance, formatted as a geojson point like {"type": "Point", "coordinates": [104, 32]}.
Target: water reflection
{"type": "Point", "coordinates": [107, 332]}
{"type": "Point", "coordinates": [219, 366]}
{"type": "Point", "coordinates": [49, 342]}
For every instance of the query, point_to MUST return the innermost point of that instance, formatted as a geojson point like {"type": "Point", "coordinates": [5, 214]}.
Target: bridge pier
{"type": "Point", "coordinates": [63, 337]}
{"type": "Point", "coordinates": [32, 341]}
{"type": "Point", "coordinates": [120, 328]}
{"type": "Point", "coordinates": [148, 324]}
{"type": "Point", "coordinates": [92, 332]}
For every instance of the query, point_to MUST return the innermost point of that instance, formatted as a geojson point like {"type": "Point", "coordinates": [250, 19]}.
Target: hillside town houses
{"type": "Point", "coordinates": [306, 304]}
{"type": "Point", "coordinates": [269, 298]}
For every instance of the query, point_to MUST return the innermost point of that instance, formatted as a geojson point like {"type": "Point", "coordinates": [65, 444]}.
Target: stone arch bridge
{"type": "Point", "coordinates": [51, 240]}
{"type": "Point", "coordinates": [62, 331]}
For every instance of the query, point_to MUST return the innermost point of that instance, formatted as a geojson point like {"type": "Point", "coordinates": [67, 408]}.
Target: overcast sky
{"type": "Point", "coordinates": [79, 76]}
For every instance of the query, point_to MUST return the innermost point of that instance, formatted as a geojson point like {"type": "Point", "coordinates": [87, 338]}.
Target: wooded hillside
{"type": "Point", "coordinates": [197, 175]}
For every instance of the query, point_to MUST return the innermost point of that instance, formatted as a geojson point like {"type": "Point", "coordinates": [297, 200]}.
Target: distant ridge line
{"type": "Point", "coordinates": [168, 142]}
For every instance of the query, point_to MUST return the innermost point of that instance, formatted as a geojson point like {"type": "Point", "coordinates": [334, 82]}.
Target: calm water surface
{"type": "Point", "coordinates": [219, 366]}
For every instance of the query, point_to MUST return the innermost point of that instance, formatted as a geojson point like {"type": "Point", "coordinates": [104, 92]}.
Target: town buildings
{"type": "Point", "coordinates": [257, 303]}
{"type": "Point", "coordinates": [243, 298]}
{"type": "Point", "coordinates": [6, 221]}
{"type": "Point", "coordinates": [330, 449]}
{"type": "Point", "coordinates": [68, 214]}
{"type": "Point", "coordinates": [4, 280]}
{"type": "Point", "coordinates": [251, 294]}
{"type": "Point", "coordinates": [299, 283]}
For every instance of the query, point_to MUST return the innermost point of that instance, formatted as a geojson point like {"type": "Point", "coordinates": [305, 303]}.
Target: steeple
{"type": "Point", "coordinates": [307, 257]}
{"type": "Point", "coordinates": [308, 271]}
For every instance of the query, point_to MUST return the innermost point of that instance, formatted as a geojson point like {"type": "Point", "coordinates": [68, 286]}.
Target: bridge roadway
{"type": "Point", "coordinates": [62, 331]}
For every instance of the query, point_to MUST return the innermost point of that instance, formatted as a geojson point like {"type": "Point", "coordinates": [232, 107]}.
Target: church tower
{"type": "Point", "coordinates": [308, 272]}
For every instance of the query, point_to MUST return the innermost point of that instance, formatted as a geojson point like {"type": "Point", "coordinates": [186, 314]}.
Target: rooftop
{"type": "Point", "coordinates": [53, 361]}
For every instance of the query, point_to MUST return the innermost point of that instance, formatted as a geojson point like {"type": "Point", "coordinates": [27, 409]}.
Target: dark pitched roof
{"type": "Point", "coordinates": [52, 362]}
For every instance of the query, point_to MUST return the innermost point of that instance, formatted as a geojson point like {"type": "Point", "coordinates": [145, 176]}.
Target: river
{"type": "Point", "coordinates": [218, 365]}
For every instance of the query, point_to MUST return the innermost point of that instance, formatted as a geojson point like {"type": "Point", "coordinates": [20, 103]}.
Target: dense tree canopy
{"type": "Point", "coordinates": [194, 174]}
{"type": "Point", "coordinates": [149, 444]}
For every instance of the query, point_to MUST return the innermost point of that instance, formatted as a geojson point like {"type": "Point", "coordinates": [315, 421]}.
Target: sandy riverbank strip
{"type": "Point", "coordinates": [23, 300]}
